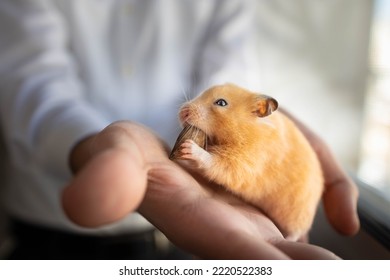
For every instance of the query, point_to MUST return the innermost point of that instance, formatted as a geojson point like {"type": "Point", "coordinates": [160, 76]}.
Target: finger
{"type": "Point", "coordinates": [304, 238]}
{"type": "Point", "coordinates": [340, 196]}
{"type": "Point", "coordinates": [108, 187]}
{"type": "Point", "coordinates": [304, 251]}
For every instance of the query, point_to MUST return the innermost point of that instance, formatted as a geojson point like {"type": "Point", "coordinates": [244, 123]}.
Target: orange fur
{"type": "Point", "coordinates": [257, 154]}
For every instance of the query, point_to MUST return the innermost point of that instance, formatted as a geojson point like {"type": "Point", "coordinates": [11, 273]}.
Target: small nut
{"type": "Point", "coordinates": [188, 132]}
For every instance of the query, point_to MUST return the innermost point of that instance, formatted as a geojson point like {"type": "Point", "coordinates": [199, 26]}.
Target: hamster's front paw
{"type": "Point", "coordinates": [189, 150]}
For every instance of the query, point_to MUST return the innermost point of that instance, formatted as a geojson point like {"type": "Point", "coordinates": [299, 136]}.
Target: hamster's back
{"type": "Point", "coordinates": [291, 180]}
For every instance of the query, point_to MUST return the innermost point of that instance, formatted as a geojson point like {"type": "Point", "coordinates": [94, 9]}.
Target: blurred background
{"type": "Point", "coordinates": [328, 62]}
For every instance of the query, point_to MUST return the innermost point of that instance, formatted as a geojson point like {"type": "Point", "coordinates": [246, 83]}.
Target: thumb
{"type": "Point", "coordinates": [111, 185]}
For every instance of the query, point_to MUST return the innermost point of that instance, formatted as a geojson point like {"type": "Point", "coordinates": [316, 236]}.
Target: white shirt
{"type": "Point", "coordinates": [68, 68]}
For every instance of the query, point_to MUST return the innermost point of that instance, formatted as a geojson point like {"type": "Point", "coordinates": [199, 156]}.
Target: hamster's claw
{"type": "Point", "coordinates": [191, 151]}
{"type": "Point", "coordinates": [188, 150]}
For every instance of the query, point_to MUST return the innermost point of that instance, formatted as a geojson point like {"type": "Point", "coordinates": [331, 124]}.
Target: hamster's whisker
{"type": "Point", "coordinates": [185, 94]}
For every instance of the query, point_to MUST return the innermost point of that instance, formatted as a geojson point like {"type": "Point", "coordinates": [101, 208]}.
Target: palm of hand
{"type": "Point", "coordinates": [206, 220]}
{"type": "Point", "coordinates": [129, 169]}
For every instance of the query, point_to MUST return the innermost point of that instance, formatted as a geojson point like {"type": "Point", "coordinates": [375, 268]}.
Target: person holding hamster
{"type": "Point", "coordinates": [89, 92]}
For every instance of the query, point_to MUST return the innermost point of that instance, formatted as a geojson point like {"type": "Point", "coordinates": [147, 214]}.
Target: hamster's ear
{"type": "Point", "coordinates": [265, 106]}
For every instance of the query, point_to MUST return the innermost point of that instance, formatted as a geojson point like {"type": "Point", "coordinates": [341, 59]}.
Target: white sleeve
{"type": "Point", "coordinates": [229, 50]}
{"type": "Point", "coordinates": [43, 111]}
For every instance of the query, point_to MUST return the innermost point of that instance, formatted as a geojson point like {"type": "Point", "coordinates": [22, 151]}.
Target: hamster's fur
{"type": "Point", "coordinates": [256, 153]}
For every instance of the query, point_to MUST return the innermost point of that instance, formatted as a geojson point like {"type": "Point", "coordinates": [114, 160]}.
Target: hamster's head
{"type": "Point", "coordinates": [226, 110]}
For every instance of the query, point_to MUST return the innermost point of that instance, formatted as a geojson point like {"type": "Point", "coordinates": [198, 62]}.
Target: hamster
{"type": "Point", "coordinates": [256, 153]}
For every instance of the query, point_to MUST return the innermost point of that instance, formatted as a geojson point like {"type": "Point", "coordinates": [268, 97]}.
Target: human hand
{"type": "Point", "coordinates": [205, 220]}
{"type": "Point", "coordinates": [126, 167]}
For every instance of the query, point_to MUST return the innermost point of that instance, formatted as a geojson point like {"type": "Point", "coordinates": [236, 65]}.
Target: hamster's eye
{"type": "Point", "coordinates": [221, 102]}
